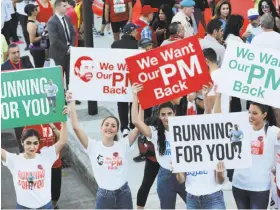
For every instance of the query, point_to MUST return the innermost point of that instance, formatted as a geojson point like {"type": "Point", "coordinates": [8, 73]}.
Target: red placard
{"type": "Point", "coordinates": [169, 72]}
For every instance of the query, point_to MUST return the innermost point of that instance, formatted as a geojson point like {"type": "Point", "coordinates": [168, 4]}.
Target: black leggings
{"type": "Point", "coordinates": [56, 183]}
{"type": "Point", "coordinates": [38, 57]}
{"type": "Point", "coordinates": [150, 174]}
{"type": "Point", "coordinates": [250, 199]}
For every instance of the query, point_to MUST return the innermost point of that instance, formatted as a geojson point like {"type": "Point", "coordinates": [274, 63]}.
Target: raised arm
{"type": "Point", "coordinates": [63, 136]}
{"type": "Point", "coordinates": [75, 123]}
{"type": "Point", "coordinates": [134, 133]}
{"type": "Point", "coordinates": [129, 12]}
{"type": "Point", "coordinates": [3, 155]}
{"type": "Point", "coordinates": [218, 107]}
{"type": "Point", "coordinates": [209, 101]}
{"type": "Point", "coordinates": [139, 123]}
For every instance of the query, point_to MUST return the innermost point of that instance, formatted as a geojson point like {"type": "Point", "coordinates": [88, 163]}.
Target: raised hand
{"type": "Point", "coordinates": [68, 97]}
{"type": "Point", "coordinates": [206, 89]}
{"type": "Point", "coordinates": [136, 88]}
{"type": "Point", "coordinates": [220, 167]}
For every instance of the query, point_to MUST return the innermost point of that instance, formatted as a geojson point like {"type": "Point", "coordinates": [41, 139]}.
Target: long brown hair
{"type": "Point", "coordinates": [118, 124]}
{"type": "Point", "coordinates": [218, 9]}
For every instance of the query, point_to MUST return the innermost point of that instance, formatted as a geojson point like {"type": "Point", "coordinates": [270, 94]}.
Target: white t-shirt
{"type": "Point", "coordinates": [32, 177]}
{"type": "Point", "coordinates": [202, 183]}
{"type": "Point", "coordinates": [278, 169]}
{"type": "Point", "coordinates": [257, 178]}
{"type": "Point", "coordinates": [269, 39]}
{"type": "Point", "coordinates": [254, 31]}
{"type": "Point", "coordinates": [232, 37]}
{"type": "Point", "coordinates": [163, 160]}
{"type": "Point", "coordinates": [109, 164]}
{"type": "Point", "coordinates": [225, 100]}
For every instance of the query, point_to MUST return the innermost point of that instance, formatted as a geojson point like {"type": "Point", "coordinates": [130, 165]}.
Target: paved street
{"type": "Point", "coordinates": [76, 193]}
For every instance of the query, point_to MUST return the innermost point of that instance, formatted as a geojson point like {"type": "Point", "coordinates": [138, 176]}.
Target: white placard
{"type": "Point", "coordinates": [100, 74]}
{"type": "Point", "coordinates": [199, 142]}
{"type": "Point", "coordinates": [251, 73]}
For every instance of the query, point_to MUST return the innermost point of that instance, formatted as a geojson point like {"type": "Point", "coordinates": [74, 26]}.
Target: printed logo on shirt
{"type": "Point", "coordinates": [119, 6]}
{"type": "Point", "coordinates": [112, 163]}
{"type": "Point", "coordinates": [196, 173]}
{"type": "Point", "coordinates": [167, 150]}
{"type": "Point", "coordinates": [257, 146]}
{"type": "Point", "coordinates": [31, 180]}
{"type": "Point", "coordinates": [100, 160]}
{"type": "Point", "coordinates": [40, 167]}
{"type": "Point", "coordinates": [278, 158]}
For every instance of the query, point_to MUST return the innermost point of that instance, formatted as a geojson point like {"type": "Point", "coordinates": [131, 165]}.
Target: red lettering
{"type": "Point", "coordinates": [112, 90]}
{"type": "Point", "coordinates": [119, 77]}
{"type": "Point", "coordinates": [122, 66]}
{"type": "Point", "coordinates": [106, 66]}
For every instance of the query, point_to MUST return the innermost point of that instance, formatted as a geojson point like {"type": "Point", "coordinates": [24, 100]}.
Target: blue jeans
{"type": "Point", "coordinates": [245, 199]}
{"type": "Point", "coordinates": [47, 206]}
{"type": "Point", "coordinates": [168, 187]}
{"type": "Point", "coordinates": [116, 199]}
{"type": "Point", "coordinates": [212, 201]}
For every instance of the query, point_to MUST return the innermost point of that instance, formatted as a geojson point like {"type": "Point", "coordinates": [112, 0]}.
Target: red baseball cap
{"type": "Point", "coordinates": [147, 9]}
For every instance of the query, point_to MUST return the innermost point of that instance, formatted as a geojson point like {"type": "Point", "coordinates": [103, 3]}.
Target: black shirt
{"type": "Point", "coordinates": [24, 62]}
{"type": "Point", "coordinates": [158, 3]}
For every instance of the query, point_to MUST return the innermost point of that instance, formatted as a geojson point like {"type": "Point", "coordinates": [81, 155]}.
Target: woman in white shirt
{"type": "Point", "coordinates": [167, 185]}
{"type": "Point", "coordinates": [109, 161]}
{"type": "Point", "coordinates": [32, 171]}
{"type": "Point", "coordinates": [233, 28]}
{"type": "Point", "coordinates": [204, 188]}
{"type": "Point", "coordinates": [251, 187]}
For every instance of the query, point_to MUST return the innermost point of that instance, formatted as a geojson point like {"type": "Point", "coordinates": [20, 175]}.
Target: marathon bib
{"type": "Point", "coordinates": [119, 6]}
{"type": "Point", "coordinates": [257, 146]}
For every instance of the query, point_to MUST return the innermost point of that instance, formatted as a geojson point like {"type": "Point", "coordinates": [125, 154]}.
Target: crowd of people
{"type": "Point", "coordinates": [50, 29]}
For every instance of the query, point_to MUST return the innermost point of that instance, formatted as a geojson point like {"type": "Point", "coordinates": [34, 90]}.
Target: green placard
{"type": "Point", "coordinates": [32, 97]}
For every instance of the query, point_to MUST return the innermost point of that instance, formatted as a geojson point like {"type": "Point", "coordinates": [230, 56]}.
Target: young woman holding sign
{"type": "Point", "coordinates": [167, 185]}
{"type": "Point", "coordinates": [251, 186]}
{"type": "Point", "coordinates": [109, 161]}
{"type": "Point", "coordinates": [32, 171]}
{"type": "Point", "coordinates": [204, 188]}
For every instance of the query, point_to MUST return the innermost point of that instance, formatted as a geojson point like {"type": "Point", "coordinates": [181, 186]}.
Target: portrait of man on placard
{"type": "Point", "coordinates": [83, 68]}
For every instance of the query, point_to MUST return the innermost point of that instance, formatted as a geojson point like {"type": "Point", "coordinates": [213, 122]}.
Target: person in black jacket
{"type": "Point", "coordinates": [15, 62]}
{"type": "Point", "coordinates": [127, 41]}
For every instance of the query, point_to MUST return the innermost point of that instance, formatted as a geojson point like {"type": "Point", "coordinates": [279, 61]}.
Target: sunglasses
{"type": "Point", "coordinates": [265, 6]}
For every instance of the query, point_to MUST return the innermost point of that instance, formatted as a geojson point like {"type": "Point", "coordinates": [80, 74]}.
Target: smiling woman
{"type": "Point", "coordinates": [109, 161]}
{"type": "Point", "coordinates": [32, 171]}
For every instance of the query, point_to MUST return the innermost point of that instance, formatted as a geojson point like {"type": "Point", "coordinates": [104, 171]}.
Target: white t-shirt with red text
{"type": "Point", "coordinates": [202, 182]}
{"type": "Point", "coordinates": [32, 177]}
{"type": "Point", "coordinates": [163, 160]}
{"type": "Point", "coordinates": [278, 169]}
{"type": "Point", "coordinates": [109, 164]}
{"type": "Point", "coordinates": [257, 178]}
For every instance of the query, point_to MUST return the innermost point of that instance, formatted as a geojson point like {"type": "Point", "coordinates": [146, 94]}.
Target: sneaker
{"type": "Point", "coordinates": [139, 158]}
{"type": "Point", "coordinates": [101, 33]}
{"type": "Point", "coordinates": [77, 102]}
{"type": "Point", "coordinates": [272, 203]}
{"type": "Point", "coordinates": [27, 48]}
{"type": "Point", "coordinates": [18, 42]}
{"type": "Point", "coordinates": [125, 132]}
